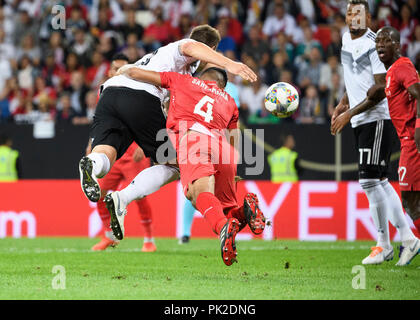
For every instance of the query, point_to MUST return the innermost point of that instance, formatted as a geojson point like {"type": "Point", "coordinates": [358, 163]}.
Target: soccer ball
{"type": "Point", "coordinates": [281, 99]}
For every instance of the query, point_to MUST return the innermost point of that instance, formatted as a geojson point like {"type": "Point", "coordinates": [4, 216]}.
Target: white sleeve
{"type": "Point", "coordinates": [178, 56]}
{"type": "Point", "coordinates": [377, 66]}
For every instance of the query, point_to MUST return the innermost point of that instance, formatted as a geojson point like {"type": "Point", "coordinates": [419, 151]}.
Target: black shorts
{"type": "Point", "coordinates": [124, 115]}
{"type": "Point", "coordinates": [374, 141]}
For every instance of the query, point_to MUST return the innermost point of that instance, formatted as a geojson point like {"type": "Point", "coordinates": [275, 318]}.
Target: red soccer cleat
{"type": "Point", "coordinates": [227, 241]}
{"type": "Point", "coordinates": [104, 243]}
{"type": "Point", "coordinates": [254, 216]}
{"type": "Point", "coordinates": [148, 247]}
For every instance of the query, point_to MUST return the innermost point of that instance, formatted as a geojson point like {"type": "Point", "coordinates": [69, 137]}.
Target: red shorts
{"type": "Point", "coordinates": [409, 167]}
{"type": "Point", "coordinates": [123, 170]}
{"type": "Point", "coordinates": [200, 155]}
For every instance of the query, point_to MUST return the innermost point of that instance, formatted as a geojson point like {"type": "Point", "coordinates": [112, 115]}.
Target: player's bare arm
{"type": "Point", "coordinates": [139, 74]}
{"type": "Point", "coordinates": [374, 95]}
{"type": "Point", "coordinates": [414, 91]}
{"type": "Point", "coordinates": [202, 52]}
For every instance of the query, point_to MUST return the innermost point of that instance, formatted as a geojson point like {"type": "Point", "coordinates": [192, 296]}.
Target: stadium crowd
{"type": "Point", "coordinates": [49, 74]}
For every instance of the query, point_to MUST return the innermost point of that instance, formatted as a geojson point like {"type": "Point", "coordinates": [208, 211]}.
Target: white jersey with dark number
{"type": "Point", "coordinates": [360, 63]}
{"type": "Point", "coordinates": [165, 59]}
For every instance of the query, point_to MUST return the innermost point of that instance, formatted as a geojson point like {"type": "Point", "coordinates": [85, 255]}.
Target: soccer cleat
{"type": "Point", "coordinates": [117, 210]}
{"type": "Point", "coordinates": [148, 247]}
{"type": "Point", "coordinates": [88, 181]}
{"type": "Point", "coordinates": [408, 253]}
{"type": "Point", "coordinates": [105, 243]}
{"type": "Point", "coordinates": [184, 240]}
{"type": "Point", "coordinates": [379, 255]}
{"type": "Point", "coordinates": [227, 241]}
{"type": "Point", "coordinates": [253, 215]}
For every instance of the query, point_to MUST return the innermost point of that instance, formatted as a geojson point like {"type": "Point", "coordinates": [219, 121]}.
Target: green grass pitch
{"type": "Point", "coordinates": [268, 270]}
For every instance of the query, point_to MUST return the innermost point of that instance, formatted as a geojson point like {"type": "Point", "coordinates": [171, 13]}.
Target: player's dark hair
{"type": "Point", "coordinates": [206, 34]}
{"type": "Point", "coordinates": [362, 2]}
{"type": "Point", "coordinates": [219, 71]}
{"type": "Point", "coordinates": [393, 33]}
{"type": "Point", "coordinates": [119, 56]}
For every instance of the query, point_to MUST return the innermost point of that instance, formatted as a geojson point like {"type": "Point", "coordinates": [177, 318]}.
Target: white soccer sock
{"type": "Point", "coordinates": [377, 207]}
{"type": "Point", "coordinates": [396, 213]}
{"type": "Point", "coordinates": [148, 181]}
{"type": "Point", "coordinates": [101, 164]}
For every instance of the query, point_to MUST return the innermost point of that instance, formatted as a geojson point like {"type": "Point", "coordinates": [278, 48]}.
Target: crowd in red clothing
{"type": "Point", "coordinates": [49, 74]}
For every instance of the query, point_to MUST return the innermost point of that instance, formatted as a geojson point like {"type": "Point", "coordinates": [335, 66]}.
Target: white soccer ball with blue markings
{"type": "Point", "coordinates": [281, 99]}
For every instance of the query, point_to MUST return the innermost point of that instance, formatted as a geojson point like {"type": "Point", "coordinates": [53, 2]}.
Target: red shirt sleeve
{"type": "Point", "coordinates": [233, 124]}
{"type": "Point", "coordinates": [407, 75]}
{"type": "Point", "coordinates": [170, 80]}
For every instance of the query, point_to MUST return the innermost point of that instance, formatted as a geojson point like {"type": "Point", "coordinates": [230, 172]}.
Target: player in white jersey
{"type": "Point", "coordinates": [372, 128]}
{"type": "Point", "coordinates": [130, 110]}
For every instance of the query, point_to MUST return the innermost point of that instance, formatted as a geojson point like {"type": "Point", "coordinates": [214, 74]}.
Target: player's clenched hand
{"type": "Point", "coordinates": [241, 70]}
{"type": "Point", "coordinates": [417, 138]}
{"type": "Point", "coordinates": [124, 69]}
{"type": "Point", "coordinates": [340, 122]}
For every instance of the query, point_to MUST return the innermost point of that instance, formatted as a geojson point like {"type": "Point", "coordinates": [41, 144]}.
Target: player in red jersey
{"type": "Point", "coordinates": [402, 90]}
{"type": "Point", "coordinates": [124, 170]}
{"type": "Point", "coordinates": [200, 112]}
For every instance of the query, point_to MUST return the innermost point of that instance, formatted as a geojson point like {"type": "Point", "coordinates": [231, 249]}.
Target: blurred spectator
{"type": "Point", "coordinates": [25, 73]}
{"type": "Point", "coordinates": [131, 26]}
{"type": "Point", "coordinates": [66, 112]}
{"type": "Point", "coordinates": [77, 92]}
{"type": "Point", "coordinates": [407, 26]}
{"type": "Point", "coordinates": [334, 48]}
{"type": "Point", "coordinates": [9, 160]}
{"type": "Point", "coordinates": [7, 50]}
{"type": "Point", "coordinates": [303, 49]}
{"type": "Point", "coordinates": [279, 21]}
{"type": "Point", "coordinates": [75, 22]}
{"type": "Point", "coordinates": [72, 64]}
{"type": "Point", "coordinates": [309, 72]}
{"type": "Point", "coordinates": [185, 26]}
{"type": "Point", "coordinates": [56, 48]}
{"type": "Point", "coordinates": [279, 65]}
{"type": "Point", "coordinates": [43, 91]}
{"type": "Point", "coordinates": [5, 71]}
{"type": "Point", "coordinates": [91, 102]}
{"type": "Point", "coordinates": [25, 25]}
{"type": "Point", "coordinates": [82, 46]}
{"type": "Point", "coordinates": [97, 72]}
{"type": "Point", "coordinates": [226, 44]}
{"type": "Point", "coordinates": [28, 48]}
{"type": "Point", "coordinates": [281, 43]}
{"type": "Point", "coordinates": [413, 48]}
{"type": "Point", "coordinates": [158, 33]}
{"type": "Point", "coordinates": [327, 70]}
{"type": "Point", "coordinates": [234, 27]}
{"type": "Point", "coordinates": [256, 48]}
{"type": "Point", "coordinates": [284, 162]}
{"type": "Point", "coordinates": [310, 110]}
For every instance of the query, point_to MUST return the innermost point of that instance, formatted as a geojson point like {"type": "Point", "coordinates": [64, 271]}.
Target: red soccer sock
{"type": "Point", "coordinates": [145, 212]}
{"type": "Point", "coordinates": [417, 225]}
{"type": "Point", "coordinates": [211, 209]}
{"type": "Point", "coordinates": [238, 213]}
{"type": "Point", "coordinates": [104, 215]}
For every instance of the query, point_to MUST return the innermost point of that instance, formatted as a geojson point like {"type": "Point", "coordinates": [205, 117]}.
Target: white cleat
{"type": "Point", "coordinates": [117, 210]}
{"type": "Point", "coordinates": [409, 253]}
{"type": "Point", "coordinates": [379, 255]}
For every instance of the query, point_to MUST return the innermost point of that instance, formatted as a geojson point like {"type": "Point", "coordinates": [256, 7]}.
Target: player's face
{"type": "Point", "coordinates": [357, 19]}
{"type": "Point", "coordinates": [115, 65]}
{"type": "Point", "coordinates": [385, 47]}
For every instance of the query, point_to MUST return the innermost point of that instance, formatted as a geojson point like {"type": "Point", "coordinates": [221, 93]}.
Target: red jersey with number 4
{"type": "Point", "coordinates": [402, 106]}
{"type": "Point", "coordinates": [197, 103]}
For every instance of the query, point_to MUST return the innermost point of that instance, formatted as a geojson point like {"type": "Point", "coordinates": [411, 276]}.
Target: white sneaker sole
{"type": "Point", "coordinates": [112, 202]}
